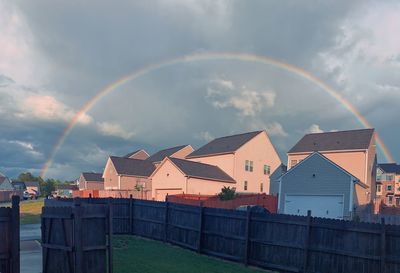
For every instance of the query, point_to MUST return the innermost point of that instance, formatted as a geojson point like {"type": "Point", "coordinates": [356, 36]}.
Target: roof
{"type": "Point", "coordinates": [90, 176]}
{"type": "Point", "coordinates": [390, 168]}
{"type": "Point", "coordinates": [224, 145]}
{"type": "Point", "coordinates": [31, 183]}
{"type": "Point", "coordinates": [134, 167]}
{"type": "Point", "coordinates": [356, 179]}
{"type": "Point", "coordinates": [160, 155]}
{"type": "Point", "coordinates": [201, 170]}
{"type": "Point", "coordinates": [131, 154]}
{"type": "Point", "coordinates": [67, 187]}
{"type": "Point", "coordinates": [330, 141]}
{"type": "Point", "coordinates": [18, 184]}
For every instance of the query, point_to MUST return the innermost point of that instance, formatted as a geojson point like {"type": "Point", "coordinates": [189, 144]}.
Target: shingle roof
{"type": "Point", "coordinates": [18, 184]}
{"type": "Point", "coordinates": [32, 183]}
{"type": "Point", "coordinates": [130, 166]}
{"type": "Point", "coordinates": [390, 168]}
{"type": "Point", "coordinates": [90, 176]}
{"type": "Point", "coordinates": [224, 145]}
{"type": "Point", "coordinates": [341, 140]}
{"type": "Point", "coordinates": [67, 187]}
{"type": "Point", "coordinates": [201, 170]}
{"type": "Point", "coordinates": [160, 155]}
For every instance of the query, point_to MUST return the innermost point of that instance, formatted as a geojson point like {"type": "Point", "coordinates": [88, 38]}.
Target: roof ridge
{"type": "Point", "coordinates": [195, 162]}
{"type": "Point", "coordinates": [239, 134]}
{"type": "Point", "coordinates": [341, 131]}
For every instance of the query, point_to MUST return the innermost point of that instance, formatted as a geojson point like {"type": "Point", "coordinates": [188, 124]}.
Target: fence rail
{"type": "Point", "coordinates": [272, 241]}
{"type": "Point", "coordinates": [9, 238]}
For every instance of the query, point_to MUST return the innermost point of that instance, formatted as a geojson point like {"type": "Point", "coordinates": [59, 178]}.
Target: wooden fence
{"type": "Point", "coordinates": [74, 239]}
{"type": "Point", "coordinates": [9, 238]}
{"type": "Point", "coordinates": [269, 202]}
{"type": "Point", "coordinates": [272, 241]}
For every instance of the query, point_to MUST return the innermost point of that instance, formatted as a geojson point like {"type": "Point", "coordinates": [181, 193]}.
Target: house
{"type": "Point", "coordinates": [174, 176]}
{"type": "Point", "coordinates": [322, 186]}
{"type": "Point", "coordinates": [5, 183]}
{"type": "Point", "coordinates": [248, 158]}
{"type": "Point", "coordinates": [65, 190]}
{"type": "Point", "coordinates": [19, 185]}
{"type": "Point", "coordinates": [91, 181]}
{"type": "Point", "coordinates": [274, 179]}
{"type": "Point", "coordinates": [123, 173]}
{"type": "Point", "coordinates": [138, 154]}
{"type": "Point", "coordinates": [176, 152]}
{"type": "Point", "coordinates": [388, 184]}
{"type": "Point", "coordinates": [33, 187]}
{"type": "Point", "coordinates": [354, 151]}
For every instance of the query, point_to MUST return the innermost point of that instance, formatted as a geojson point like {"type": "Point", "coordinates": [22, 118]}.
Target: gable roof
{"type": "Point", "coordinates": [135, 152]}
{"type": "Point", "coordinates": [160, 155]}
{"type": "Point", "coordinates": [201, 170]}
{"type": "Point", "coordinates": [134, 167]}
{"type": "Point", "coordinates": [32, 183]}
{"type": "Point", "coordinates": [330, 141]}
{"type": "Point", "coordinates": [224, 145]}
{"type": "Point", "coordinates": [90, 176]}
{"type": "Point", "coordinates": [298, 165]}
{"type": "Point", "coordinates": [18, 185]}
{"type": "Point", "coordinates": [390, 168]}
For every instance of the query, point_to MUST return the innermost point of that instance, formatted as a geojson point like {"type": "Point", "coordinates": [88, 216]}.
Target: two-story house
{"type": "Point", "coordinates": [91, 181]}
{"type": "Point", "coordinates": [248, 158]}
{"type": "Point", "coordinates": [388, 184]}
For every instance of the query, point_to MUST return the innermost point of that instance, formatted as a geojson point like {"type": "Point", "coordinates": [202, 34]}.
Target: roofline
{"type": "Point", "coordinates": [214, 154]}
{"type": "Point", "coordinates": [116, 171]}
{"type": "Point", "coordinates": [213, 179]}
{"type": "Point", "coordinates": [162, 163]}
{"type": "Point", "coordinates": [140, 151]}
{"type": "Point", "coordinates": [327, 151]}
{"type": "Point", "coordinates": [132, 175]}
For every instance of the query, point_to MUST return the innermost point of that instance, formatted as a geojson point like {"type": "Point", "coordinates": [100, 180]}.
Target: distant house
{"type": "Point", "coordinates": [91, 181]}
{"type": "Point", "coordinates": [176, 152]}
{"type": "Point", "coordinates": [354, 151]}
{"type": "Point", "coordinates": [248, 158]}
{"type": "Point", "coordinates": [123, 173]}
{"type": "Point", "coordinates": [174, 176]}
{"type": "Point", "coordinates": [388, 184]}
{"type": "Point", "coordinates": [65, 190]}
{"type": "Point", "coordinates": [19, 185]}
{"type": "Point", "coordinates": [274, 179]}
{"type": "Point", "coordinates": [33, 187]}
{"type": "Point", "coordinates": [5, 183]}
{"type": "Point", "coordinates": [138, 154]}
{"type": "Point", "coordinates": [322, 186]}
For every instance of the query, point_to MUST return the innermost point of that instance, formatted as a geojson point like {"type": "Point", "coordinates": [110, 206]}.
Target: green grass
{"type": "Point", "coordinates": [134, 255]}
{"type": "Point", "coordinates": [30, 211]}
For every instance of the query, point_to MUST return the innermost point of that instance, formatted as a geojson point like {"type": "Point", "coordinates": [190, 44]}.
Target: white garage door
{"type": "Point", "coordinates": [327, 206]}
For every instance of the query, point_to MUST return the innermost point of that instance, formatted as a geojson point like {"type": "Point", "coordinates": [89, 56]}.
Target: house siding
{"type": "Point", "coordinates": [329, 180]}
{"type": "Point", "coordinates": [225, 162]}
{"type": "Point", "coordinates": [6, 185]}
{"type": "Point", "coordinates": [142, 155]}
{"type": "Point", "coordinates": [183, 153]}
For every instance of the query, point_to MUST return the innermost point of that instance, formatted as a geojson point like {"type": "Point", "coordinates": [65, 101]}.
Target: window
{"type": "Point", "coordinates": [378, 188]}
{"type": "Point", "coordinates": [251, 166]}
{"type": "Point", "coordinates": [389, 177]}
{"type": "Point", "coordinates": [261, 187]}
{"type": "Point", "coordinates": [245, 185]}
{"type": "Point", "coordinates": [397, 201]}
{"type": "Point", "coordinates": [246, 167]}
{"type": "Point", "coordinates": [389, 187]}
{"type": "Point", "coordinates": [293, 163]}
{"type": "Point", "coordinates": [378, 178]}
{"type": "Point", "coordinates": [390, 199]}
{"type": "Point", "coordinates": [267, 169]}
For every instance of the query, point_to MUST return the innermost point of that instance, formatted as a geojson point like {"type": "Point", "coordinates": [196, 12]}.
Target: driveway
{"type": "Point", "coordinates": [30, 250]}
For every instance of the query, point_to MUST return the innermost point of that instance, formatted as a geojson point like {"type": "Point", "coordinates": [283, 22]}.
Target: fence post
{"type": "Point", "coordinates": [131, 213]}
{"type": "Point", "coordinates": [166, 221]}
{"type": "Point", "coordinates": [90, 198]}
{"type": "Point", "coordinates": [247, 236]}
{"type": "Point", "coordinates": [200, 227]}
{"type": "Point", "coordinates": [307, 241]}
{"type": "Point", "coordinates": [383, 245]}
{"type": "Point", "coordinates": [77, 212]}
{"type": "Point", "coordinates": [15, 234]}
{"type": "Point", "coordinates": [110, 234]}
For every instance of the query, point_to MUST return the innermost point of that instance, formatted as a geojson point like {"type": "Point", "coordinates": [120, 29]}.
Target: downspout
{"type": "Point", "coordinates": [366, 169]}
{"type": "Point", "coordinates": [279, 194]}
{"type": "Point", "coordinates": [351, 199]}
{"type": "Point", "coordinates": [119, 182]}
{"type": "Point", "coordinates": [186, 191]}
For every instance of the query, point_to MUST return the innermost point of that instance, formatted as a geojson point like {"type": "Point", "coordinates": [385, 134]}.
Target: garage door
{"type": "Point", "coordinates": [327, 206]}
{"type": "Point", "coordinates": [162, 193]}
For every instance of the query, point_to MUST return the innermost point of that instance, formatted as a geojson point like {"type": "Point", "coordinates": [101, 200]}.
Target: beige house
{"type": "Point", "coordinates": [174, 176]}
{"type": "Point", "coordinates": [139, 154]}
{"type": "Point", "coordinates": [248, 158]}
{"type": "Point", "coordinates": [91, 181]}
{"type": "Point", "coordinates": [176, 152]}
{"type": "Point", "coordinates": [354, 151]}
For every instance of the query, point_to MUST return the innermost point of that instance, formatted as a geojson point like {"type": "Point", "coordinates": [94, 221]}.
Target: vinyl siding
{"type": "Point", "coordinates": [329, 180]}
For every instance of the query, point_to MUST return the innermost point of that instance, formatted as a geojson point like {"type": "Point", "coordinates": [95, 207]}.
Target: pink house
{"type": "Point", "coordinates": [354, 151]}
{"type": "Point", "coordinates": [248, 158]}
{"type": "Point", "coordinates": [139, 154]}
{"type": "Point", "coordinates": [174, 176]}
{"type": "Point", "coordinates": [91, 181]}
{"type": "Point", "coordinates": [176, 152]}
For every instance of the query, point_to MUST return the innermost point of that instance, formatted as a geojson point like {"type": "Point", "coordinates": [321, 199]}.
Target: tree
{"type": "Point", "coordinates": [227, 193]}
{"type": "Point", "coordinates": [48, 186]}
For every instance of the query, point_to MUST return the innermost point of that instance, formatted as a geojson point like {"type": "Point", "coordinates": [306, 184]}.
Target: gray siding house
{"type": "Point", "coordinates": [274, 179]}
{"type": "Point", "coordinates": [319, 185]}
{"type": "Point", "coordinates": [5, 183]}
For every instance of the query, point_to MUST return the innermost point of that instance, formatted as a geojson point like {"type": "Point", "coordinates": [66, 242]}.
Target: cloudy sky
{"type": "Point", "coordinates": [57, 55]}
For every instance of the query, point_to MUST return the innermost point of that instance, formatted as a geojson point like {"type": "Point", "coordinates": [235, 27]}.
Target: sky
{"type": "Point", "coordinates": [55, 56]}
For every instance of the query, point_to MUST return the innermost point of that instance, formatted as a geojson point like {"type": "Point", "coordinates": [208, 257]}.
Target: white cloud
{"type": "Point", "coordinates": [224, 94]}
{"type": "Point", "coordinates": [273, 128]}
{"type": "Point", "coordinates": [314, 128]}
{"type": "Point", "coordinates": [28, 147]}
{"type": "Point", "coordinates": [114, 129]}
{"type": "Point", "coordinates": [205, 136]}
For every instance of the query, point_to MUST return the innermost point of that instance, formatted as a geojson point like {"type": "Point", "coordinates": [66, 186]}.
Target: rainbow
{"type": "Point", "coordinates": [212, 56]}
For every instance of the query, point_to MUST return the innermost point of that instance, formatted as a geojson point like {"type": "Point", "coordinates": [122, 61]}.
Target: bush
{"type": "Point", "coordinates": [227, 193]}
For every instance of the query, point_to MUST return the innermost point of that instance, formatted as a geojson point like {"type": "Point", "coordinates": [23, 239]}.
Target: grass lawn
{"type": "Point", "coordinates": [30, 211]}
{"type": "Point", "coordinates": [133, 254]}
